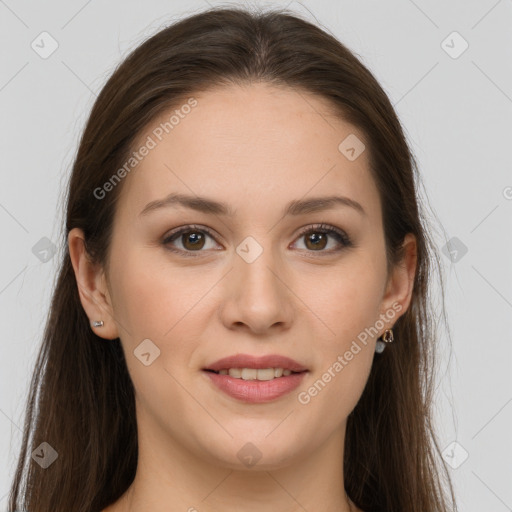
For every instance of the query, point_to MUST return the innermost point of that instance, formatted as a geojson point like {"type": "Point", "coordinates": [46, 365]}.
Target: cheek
{"type": "Point", "coordinates": [347, 306]}
{"type": "Point", "coordinates": [155, 302]}
{"type": "Point", "coordinates": [168, 305]}
{"type": "Point", "coordinates": [154, 295]}
{"type": "Point", "coordinates": [346, 301]}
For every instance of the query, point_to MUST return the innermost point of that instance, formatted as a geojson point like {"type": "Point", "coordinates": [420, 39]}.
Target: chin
{"type": "Point", "coordinates": [242, 453]}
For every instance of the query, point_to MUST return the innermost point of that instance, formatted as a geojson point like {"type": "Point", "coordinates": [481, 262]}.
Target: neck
{"type": "Point", "coordinates": [168, 474]}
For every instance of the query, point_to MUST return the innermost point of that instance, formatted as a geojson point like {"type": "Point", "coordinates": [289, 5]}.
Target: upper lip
{"type": "Point", "coordinates": [248, 361]}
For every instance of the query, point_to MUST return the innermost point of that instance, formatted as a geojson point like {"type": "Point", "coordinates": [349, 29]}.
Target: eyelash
{"type": "Point", "coordinates": [340, 235]}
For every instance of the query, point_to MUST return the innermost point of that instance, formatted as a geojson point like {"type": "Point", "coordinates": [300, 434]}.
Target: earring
{"type": "Point", "coordinates": [97, 324]}
{"type": "Point", "coordinates": [387, 337]}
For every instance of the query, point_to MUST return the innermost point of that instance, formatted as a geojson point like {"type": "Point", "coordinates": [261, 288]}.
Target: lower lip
{"type": "Point", "coordinates": [256, 391]}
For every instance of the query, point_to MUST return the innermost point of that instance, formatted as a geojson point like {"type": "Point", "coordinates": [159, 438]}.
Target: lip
{"type": "Point", "coordinates": [248, 361]}
{"type": "Point", "coordinates": [255, 391]}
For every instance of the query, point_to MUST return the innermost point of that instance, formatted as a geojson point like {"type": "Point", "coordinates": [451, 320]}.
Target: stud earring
{"type": "Point", "coordinates": [97, 323]}
{"type": "Point", "coordinates": [387, 337]}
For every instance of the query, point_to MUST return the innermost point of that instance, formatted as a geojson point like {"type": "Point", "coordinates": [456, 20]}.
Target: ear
{"type": "Point", "coordinates": [401, 281]}
{"type": "Point", "coordinates": [92, 287]}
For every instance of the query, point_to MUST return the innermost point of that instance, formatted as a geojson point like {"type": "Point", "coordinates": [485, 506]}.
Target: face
{"type": "Point", "coordinates": [189, 285]}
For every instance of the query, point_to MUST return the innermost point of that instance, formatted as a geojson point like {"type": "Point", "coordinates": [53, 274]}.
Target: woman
{"type": "Point", "coordinates": [241, 319]}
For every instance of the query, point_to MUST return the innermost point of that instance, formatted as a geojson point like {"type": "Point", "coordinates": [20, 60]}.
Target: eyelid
{"type": "Point", "coordinates": [344, 239]}
{"type": "Point", "coordinates": [327, 228]}
{"type": "Point", "coordinates": [184, 229]}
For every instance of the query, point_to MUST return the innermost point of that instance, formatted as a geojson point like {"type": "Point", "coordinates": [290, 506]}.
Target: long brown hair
{"type": "Point", "coordinates": [81, 398]}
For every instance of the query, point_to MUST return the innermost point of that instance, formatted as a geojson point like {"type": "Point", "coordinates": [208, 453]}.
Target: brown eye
{"type": "Point", "coordinates": [194, 240]}
{"type": "Point", "coordinates": [317, 238]}
{"type": "Point", "coordinates": [191, 239]}
{"type": "Point", "coordinates": [316, 241]}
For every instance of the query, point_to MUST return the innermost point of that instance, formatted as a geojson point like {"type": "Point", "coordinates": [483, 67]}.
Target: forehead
{"type": "Point", "coordinates": [256, 145]}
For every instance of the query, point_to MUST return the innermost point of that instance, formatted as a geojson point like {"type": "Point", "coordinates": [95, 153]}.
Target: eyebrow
{"type": "Point", "coordinates": [209, 206]}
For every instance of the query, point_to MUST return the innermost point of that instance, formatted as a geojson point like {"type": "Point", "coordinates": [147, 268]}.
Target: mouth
{"type": "Point", "coordinates": [245, 364]}
{"type": "Point", "coordinates": [260, 374]}
{"type": "Point", "coordinates": [253, 387]}
{"type": "Point", "coordinates": [255, 379]}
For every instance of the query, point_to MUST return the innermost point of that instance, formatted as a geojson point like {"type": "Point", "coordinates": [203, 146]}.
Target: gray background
{"type": "Point", "coordinates": [456, 110]}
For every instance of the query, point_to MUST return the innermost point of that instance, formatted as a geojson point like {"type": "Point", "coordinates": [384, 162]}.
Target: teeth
{"type": "Point", "coordinates": [255, 374]}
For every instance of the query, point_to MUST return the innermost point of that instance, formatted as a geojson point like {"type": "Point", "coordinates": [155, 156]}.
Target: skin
{"type": "Point", "coordinates": [256, 148]}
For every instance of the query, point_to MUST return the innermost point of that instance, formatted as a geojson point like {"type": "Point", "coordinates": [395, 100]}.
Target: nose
{"type": "Point", "coordinates": [257, 297]}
